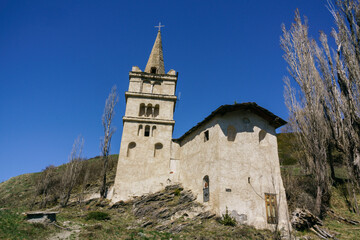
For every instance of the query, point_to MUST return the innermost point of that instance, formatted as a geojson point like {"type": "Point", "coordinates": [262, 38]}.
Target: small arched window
{"type": "Point", "coordinates": [153, 131]}
{"type": "Point", "coordinates": [231, 133]}
{"type": "Point", "coordinates": [147, 131]}
{"type": "Point", "coordinates": [156, 110]}
{"type": "Point", "coordinates": [157, 149]}
{"type": "Point", "coordinates": [149, 110]}
{"type": "Point", "coordinates": [142, 109]}
{"type": "Point", "coordinates": [206, 189]}
{"type": "Point", "coordinates": [140, 130]}
{"type": "Point", "coordinates": [262, 135]}
{"type": "Point", "coordinates": [153, 70]}
{"type": "Point", "coordinates": [130, 150]}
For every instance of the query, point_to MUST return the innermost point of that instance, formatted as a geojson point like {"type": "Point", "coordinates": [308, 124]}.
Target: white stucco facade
{"type": "Point", "coordinates": [232, 154]}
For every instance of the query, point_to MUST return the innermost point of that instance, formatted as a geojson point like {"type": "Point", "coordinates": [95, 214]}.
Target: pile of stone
{"type": "Point", "coordinates": [172, 209]}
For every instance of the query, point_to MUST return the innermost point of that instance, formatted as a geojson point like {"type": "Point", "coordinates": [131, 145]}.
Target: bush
{"type": "Point", "coordinates": [98, 216]}
{"type": "Point", "coordinates": [227, 220]}
{"type": "Point", "coordinates": [177, 192]}
{"type": "Point", "coordinates": [300, 190]}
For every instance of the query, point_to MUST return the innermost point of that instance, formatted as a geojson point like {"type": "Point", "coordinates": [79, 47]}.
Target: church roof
{"type": "Point", "coordinates": [273, 120]}
{"type": "Point", "coordinates": [156, 59]}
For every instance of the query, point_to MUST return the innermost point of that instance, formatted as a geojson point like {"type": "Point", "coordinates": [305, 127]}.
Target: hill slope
{"type": "Point", "coordinates": [171, 213]}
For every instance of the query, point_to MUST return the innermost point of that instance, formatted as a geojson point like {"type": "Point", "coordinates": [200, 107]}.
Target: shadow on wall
{"type": "Point", "coordinates": [230, 128]}
{"type": "Point", "coordinates": [243, 124]}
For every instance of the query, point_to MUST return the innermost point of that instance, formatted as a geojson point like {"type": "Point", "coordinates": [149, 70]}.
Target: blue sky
{"type": "Point", "coordinates": [59, 60]}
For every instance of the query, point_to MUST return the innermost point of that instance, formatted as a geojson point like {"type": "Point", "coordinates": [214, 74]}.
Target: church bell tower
{"type": "Point", "coordinates": [144, 157]}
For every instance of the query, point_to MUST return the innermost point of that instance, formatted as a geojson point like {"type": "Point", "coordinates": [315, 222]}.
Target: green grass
{"type": "Point", "coordinates": [99, 216]}
{"type": "Point", "coordinates": [287, 155]}
{"type": "Point", "coordinates": [14, 226]}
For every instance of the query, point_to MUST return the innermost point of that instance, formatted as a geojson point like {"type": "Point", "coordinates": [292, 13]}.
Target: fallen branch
{"type": "Point", "coordinates": [349, 221]}
{"type": "Point", "coordinates": [317, 233]}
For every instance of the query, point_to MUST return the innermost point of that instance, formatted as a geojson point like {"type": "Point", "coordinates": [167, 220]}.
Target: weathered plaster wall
{"type": "Point", "coordinates": [230, 164]}
{"type": "Point", "coordinates": [198, 159]}
{"type": "Point", "coordinates": [251, 169]}
{"type": "Point", "coordinates": [141, 172]}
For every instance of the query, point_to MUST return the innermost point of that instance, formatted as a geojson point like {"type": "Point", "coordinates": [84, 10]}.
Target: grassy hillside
{"type": "Point", "coordinates": [23, 188]}
{"type": "Point", "coordinates": [166, 217]}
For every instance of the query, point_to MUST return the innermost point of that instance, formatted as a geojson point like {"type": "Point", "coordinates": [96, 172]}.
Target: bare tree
{"type": "Point", "coordinates": [325, 112]}
{"type": "Point", "coordinates": [84, 184]}
{"type": "Point", "coordinates": [45, 185]}
{"type": "Point", "coordinates": [72, 171]}
{"type": "Point", "coordinates": [306, 111]}
{"type": "Point", "coordinates": [105, 144]}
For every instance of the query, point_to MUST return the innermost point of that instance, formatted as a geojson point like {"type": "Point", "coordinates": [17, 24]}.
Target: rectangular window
{"type": "Point", "coordinates": [206, 136]}
{"type": "Point", "coordinates": [271, 208]}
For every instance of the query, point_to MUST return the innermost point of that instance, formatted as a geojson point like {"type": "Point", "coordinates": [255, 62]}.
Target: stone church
{"type": "Point", "coordinates": [229, 160]}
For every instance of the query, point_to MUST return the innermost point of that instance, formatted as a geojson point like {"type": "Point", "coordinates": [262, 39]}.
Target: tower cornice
{"type": "Point", "coordinates": [150, 96]}
{"type": "Point", "coordinates": [168, 77]}
{"type": "Point", "coordinates": [148, 120]}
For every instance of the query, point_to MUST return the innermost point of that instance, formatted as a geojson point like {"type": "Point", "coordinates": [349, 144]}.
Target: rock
{"type": "Point", "coordinates": [147, 224]}
{"type": "Point", "coordinates": [174, 187]}
{"type": "Point", "coordinates": [142, 211]}
{"type": "Point", "coordinates": [179, 227]}
{"type": "Point", "coordinates": [162, 227]}
{"type": "Point", "coordinates": [171, 209]}
{"type": "Point", "coordinates": [205, 215]}
{"type": "Point", "coordinates": [102, 203]}
{"type": "Point", "coordinates": [163, 213]}
{"type": "Point", "coordinates": [121, 210]}
{"type": "Point", "coordinates": [186, 196]}
{"type": "Point", "coordinates": [118, 204]}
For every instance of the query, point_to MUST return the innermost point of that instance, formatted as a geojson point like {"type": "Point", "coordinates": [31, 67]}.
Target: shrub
{"type": "Point", "coordinates": [227, 220]}
{"type": "Point", "coordinates": [177, 192]}
{"type": "Point", "coordinates": [97, 216]}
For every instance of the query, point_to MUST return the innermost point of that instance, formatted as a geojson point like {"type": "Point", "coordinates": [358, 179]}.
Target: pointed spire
{"type": "Point", "coordinates": [155, 63]}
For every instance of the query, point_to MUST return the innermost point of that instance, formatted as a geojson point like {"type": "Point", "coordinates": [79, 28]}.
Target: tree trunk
{"type": "Point", "coordinates": [356, 207]}
{"type": "Point", "coordinates": [65, 198]}
{"type": "Point", "coordinates": [331, 163]}
{"type": "Point", "coordinates": [318, 201]}
{"type": "Point", "coordinates": [103, 191]}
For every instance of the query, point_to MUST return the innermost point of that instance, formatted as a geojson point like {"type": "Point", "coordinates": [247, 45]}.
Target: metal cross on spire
{"type": "Point", "coordinates": [160, 26]}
